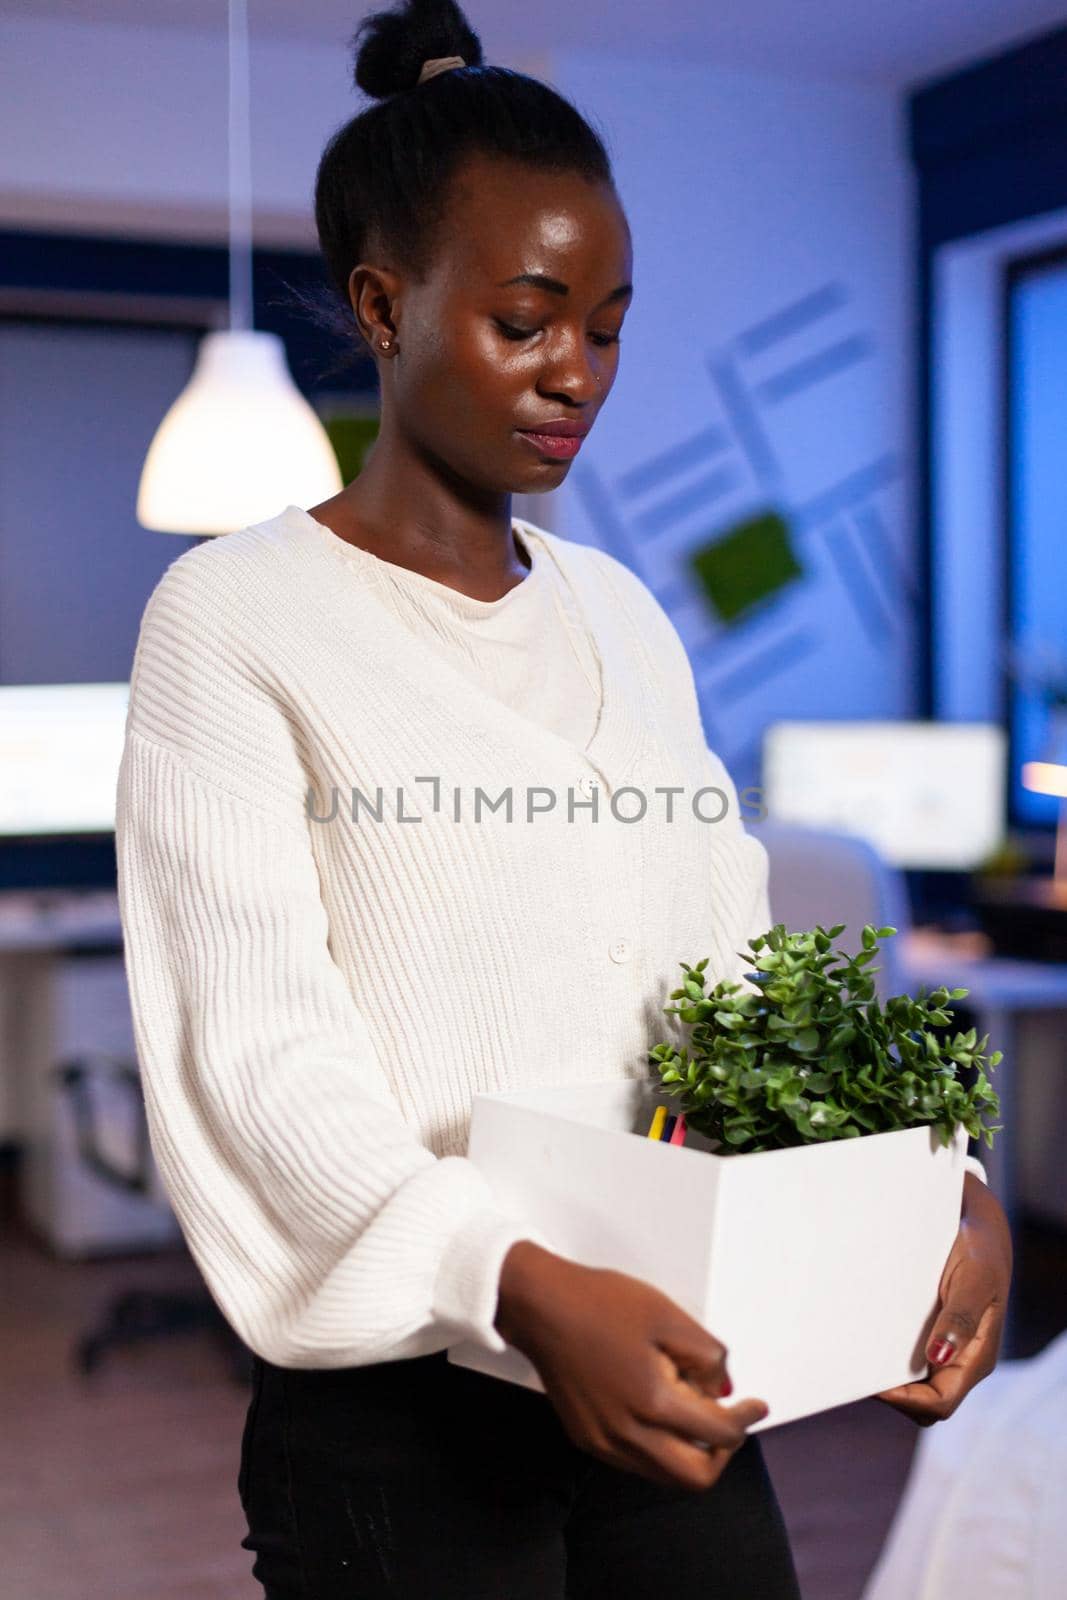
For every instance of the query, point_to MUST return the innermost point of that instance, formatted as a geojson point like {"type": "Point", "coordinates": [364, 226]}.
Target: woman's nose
{"type": "Point", "coordinates": [572, 375]}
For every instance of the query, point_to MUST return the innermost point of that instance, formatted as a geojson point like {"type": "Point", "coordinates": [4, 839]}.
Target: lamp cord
{"type": "Point", "coordinates": [240, 169]}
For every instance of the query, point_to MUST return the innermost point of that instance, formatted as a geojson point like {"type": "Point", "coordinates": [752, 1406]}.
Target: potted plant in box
{"type": "Point", "coordinates": [812, 1056]}
{"type": "Point", "coordinates": [870, 1109]}
{"type": "Point", "coordinates": [817, 1229]}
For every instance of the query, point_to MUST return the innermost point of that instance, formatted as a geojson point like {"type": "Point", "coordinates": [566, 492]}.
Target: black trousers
{"type": "Point", "coordinates": [425, 1481]}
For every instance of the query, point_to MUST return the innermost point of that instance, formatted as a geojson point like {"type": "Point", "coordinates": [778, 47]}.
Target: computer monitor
{"type": "Point", "coordinates": [60, 748]}
{"type": "Point", "coordinates": [926, 795]}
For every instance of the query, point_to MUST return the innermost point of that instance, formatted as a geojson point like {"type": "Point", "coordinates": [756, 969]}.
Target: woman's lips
{"type": "Point", "coordinates": [561, 447]}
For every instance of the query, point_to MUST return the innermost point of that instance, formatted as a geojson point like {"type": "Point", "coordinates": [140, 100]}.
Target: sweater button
{"type": "Point", "coordinates": [621, 950]}
{"type": "Point", "coordinates": [586, 785]}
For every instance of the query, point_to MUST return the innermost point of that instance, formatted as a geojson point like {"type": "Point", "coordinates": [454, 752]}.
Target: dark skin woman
{"type": "Point", "coordinates": [472, 358]}
{"type": "Point", "coordinates": [515, 326]}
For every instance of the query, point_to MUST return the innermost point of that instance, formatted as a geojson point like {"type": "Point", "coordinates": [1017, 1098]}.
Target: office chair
{"type": "Point", "coordinates": [821, 877]}
{"type": "Point", "coordinates": [136, 1315]}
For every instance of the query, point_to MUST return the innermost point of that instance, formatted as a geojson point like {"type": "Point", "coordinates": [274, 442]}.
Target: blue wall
{"type": "Point", "coordinates": [764, 369]}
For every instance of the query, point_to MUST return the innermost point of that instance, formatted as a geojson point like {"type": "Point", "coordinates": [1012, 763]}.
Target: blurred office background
{"type": "Point", "coordinates": [836, 451]}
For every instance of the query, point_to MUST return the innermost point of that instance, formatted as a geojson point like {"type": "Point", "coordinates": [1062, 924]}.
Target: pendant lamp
{"type": "Point", "coordinates": [240, 442]}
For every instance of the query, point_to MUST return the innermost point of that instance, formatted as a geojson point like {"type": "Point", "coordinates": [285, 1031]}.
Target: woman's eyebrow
{"type": "Point", "coordinates": [540, 280]}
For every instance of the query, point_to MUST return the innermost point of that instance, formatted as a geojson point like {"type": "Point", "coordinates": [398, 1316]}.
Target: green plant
{"type": "Point", "coordinates": [811, 1055]}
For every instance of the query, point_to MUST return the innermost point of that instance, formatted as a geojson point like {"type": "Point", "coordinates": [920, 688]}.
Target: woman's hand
{"type": "Point", "coordinates": [965, 1340]}
{"type": "Point", "coordinates": [630, 1374]}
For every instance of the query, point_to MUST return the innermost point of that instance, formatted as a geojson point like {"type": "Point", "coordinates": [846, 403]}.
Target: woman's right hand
{"type": "Point", "coordinates": [630, 1374]}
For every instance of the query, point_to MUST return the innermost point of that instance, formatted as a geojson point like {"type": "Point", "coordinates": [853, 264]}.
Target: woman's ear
{"type": "Point", "coordinates": [374, 294]}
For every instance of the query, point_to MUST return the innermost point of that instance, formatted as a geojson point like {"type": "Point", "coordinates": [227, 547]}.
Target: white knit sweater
{"type": "Point", "coordinates": [315, 1002]}
{"type": "Point", "coordinates": [529, 647]}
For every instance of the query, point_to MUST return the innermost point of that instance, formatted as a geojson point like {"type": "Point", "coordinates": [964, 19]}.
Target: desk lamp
{"type": "Point", "coordinates": [1050, 777]}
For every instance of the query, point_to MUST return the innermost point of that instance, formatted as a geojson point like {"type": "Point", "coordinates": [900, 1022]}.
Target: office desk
{"type": "Point", "coordinates": [64, 1004]}
{"type": "Point", "coordinates": [1000, 990]}
{"type": "Point", "coordinates": [55, 919]}
{"type": "Point", "coordinates": [36, 931]}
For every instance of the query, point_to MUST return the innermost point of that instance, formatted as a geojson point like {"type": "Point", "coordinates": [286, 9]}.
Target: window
{"type": "Point", "coordinates": [1035, 485]}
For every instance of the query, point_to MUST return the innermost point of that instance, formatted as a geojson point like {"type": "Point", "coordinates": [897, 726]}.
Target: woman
{"type": "Point", "coordinates": [335, 937]}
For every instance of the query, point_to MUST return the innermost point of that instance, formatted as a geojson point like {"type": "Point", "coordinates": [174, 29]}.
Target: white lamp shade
{"type": "Point", "coordinates": [239, 444]}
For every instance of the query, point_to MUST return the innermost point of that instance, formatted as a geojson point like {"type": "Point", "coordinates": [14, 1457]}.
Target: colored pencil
{"type": "Point", "coordinates": [659, 1117]}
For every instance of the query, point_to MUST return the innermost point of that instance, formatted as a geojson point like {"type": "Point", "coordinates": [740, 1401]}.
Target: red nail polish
{"type": "Point", "coordinates": [727, 1388]}
{"type": "Point", "coordinates": [941, 1351]}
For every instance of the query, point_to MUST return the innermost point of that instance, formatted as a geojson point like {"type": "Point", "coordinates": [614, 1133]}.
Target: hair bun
{"type": "Point", "coordinates": [391, 46]}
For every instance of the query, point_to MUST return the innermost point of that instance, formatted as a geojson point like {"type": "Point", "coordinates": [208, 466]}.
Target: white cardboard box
{"type": "Point", "coordinates": [818, 1267]}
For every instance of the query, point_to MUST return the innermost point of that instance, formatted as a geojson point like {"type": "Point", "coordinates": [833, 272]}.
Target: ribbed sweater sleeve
{"type": "Point", "coordinates": [328, 1234]}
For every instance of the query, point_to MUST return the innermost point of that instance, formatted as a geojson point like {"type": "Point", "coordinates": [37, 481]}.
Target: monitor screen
{"type": "Point", "coordinates": [60, 748]}
{"type": "Point", "coordinates": [926, 795]}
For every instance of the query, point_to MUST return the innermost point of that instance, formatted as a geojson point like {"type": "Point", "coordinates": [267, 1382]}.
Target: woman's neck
{"type": "Point", "coordinates": [416, 522]}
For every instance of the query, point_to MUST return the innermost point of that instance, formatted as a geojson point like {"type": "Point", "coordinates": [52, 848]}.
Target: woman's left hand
{"type": "Point", "coordinates": [965, 1340]}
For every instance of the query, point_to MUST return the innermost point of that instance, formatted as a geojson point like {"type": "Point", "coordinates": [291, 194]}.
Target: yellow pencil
{"type": "Point", "coordinates": [658, 1119]}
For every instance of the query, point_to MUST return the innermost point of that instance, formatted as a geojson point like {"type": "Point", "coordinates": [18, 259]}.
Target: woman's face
{"type": "Point", "coordinates": [515, 327]}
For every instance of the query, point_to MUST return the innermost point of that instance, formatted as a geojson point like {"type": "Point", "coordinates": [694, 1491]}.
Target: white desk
{"type": "Point", "coordinates": [36, 929]}
{"type": "Point", "coordinates": [56, 1007]}
{"type": "Point", "coordinates": [55, 918]}
{"type": "Point", "coordinates": [999, 990]}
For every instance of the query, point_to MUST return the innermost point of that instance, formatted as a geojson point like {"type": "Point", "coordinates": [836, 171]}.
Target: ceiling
{"type": "Point", "coordinates": [893, 42]}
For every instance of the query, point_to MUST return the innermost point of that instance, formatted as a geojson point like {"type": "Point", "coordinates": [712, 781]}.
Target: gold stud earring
{"type": "Point", "coordinates": [384, 344]}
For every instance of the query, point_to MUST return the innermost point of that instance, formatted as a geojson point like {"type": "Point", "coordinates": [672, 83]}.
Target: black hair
{"type": "Point", "coordinates": [383, 179]}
